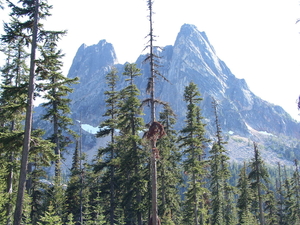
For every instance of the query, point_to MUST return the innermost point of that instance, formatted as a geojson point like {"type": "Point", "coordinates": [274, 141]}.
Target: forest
{"type": "Point", "coordinates": [148, 173]}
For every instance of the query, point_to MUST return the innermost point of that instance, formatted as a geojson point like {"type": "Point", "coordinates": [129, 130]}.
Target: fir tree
{"type": "Point", "coordinates": [73, 191]}
{"type": "Point", "coordinates": [152, 58]}
{"type": "Point", "coordinates": [289, 202]}
{"type": "Point", "coordinates": [131, 155]}
{"type": "Point", "coordinates": [271, 209]}
{"type": "Point", "coordinates": [296, 191]}
{"type": "Point", "coordinates": [193, 141]}
{"type": "Point", "coordinates": [220, 175]}
{"type": "Point", "coordinates": [13, 102]}
{"type": "Point", "coordinates": [259, 177]}
{"type": "Point", "coordinates": [30, 12]}
{"type": "Point", "coordinates": [245, 198]}
{"type": "Point", "coordinates": [50, 217]}
{"type": "Point", "coordinates": [41, 155]}
{"type": "Point", "coordinates": [280, 195]}
{"type": "Point", "coordinates": [56, 87]}
{"type": "Point", "coordinates": [169, 176]}
{"type": "Point", "coordinates": [108, 127]}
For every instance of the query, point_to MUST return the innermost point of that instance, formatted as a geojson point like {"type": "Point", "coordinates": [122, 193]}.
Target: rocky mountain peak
{"type": "Point", "coordinates": [242, 115]}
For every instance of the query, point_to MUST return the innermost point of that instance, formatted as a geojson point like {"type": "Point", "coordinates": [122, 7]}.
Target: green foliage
{"type": "Point", "coordinates": [73, 191]}
{"type": "Point", "coordinates": [245, 198]}
{"type": "Point", "coordinates": [221, 191]}
{"type": "Point", "coordinates": [55, 88]}
{"type": "Point", "coordinates": [50, 217]}
{"type": "Point", "coordinates": [193, 140]}
{"type": "Point", "coordinates": [131, 156]}
{"type": "Point", "coordinates": [108, 160]}
{"type": "Point", "coordinates": [169, 170]}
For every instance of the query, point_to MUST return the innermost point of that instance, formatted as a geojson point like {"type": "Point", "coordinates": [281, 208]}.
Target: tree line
{"type": "Point", "coordinates": [146, 174]}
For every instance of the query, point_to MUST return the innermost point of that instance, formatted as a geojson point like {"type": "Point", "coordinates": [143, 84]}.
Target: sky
{"type": "Point", "coordinates": [259, 40]}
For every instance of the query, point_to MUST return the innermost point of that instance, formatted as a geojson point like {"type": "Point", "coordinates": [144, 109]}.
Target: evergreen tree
{"type": "Point", "coordinates": [13, 102]}
{"type": "Point", "coordinates": [296, 191]}
{"type": "Point", "coordinates": [56, 87]}
{"type": "Point", "coordinates": [271, 209]}
{"type": "Point", "coordinates": [132, 156]}
{"type": "Point", "coordinates": [245, 199]}
{"type": "Point", "coordinates": [280, 195]}
{"type": "Point", "coordinates": [50, 217]}
{"type": "Point", "coordinates": [73, 191]}
{"type": "Point", "coordinates": [152, 58]}
{"type": "Point", "coordinates": [41, 155]}
{"type": "Point", "coordinates": [70, 220]}
{"type": "Point", "coordinates": [259, 177]}
{"type": "Point", "coordinates": [56, 198]}
{"type": "Point", "coordinates": [169, 171]}
{"type": "Point", "coordinates": [108, 127]}
{"type": "Point", "coordinates": [3, 194]}
{"type": "Point", "coordinates": [289, 202]}
{"type": "Point", "coordinates": [220, 174]}
{"type": "Point", "coordinates": [193, 141]}
{"type": "Point", "coordinates": [29, 13]}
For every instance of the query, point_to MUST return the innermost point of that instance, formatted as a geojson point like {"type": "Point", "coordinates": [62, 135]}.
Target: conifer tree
{"type": "Point", "coordinates": [271, 209]}
{"type": "Point", "coordinates": [132, 156]}
{"type": "Point", "coordinates": [169, 170]}
{"type": "Point", "coordinates": [259, 177]}
{"type": "Point", "coordinates": [30, 12]}
{"type": "Point", "coordinates": [3, 194]}
{"type": "Point", "coordinates": [74, 187]}
{"type": "Point", "coordinates": [56, 87]}
{"type": "Point", "coordinates": [13, 102]}
{"type": "Point", "coordinates": [152, 58]}
{"type": "Point", "coordinates": [41, 155]}
{"type": "Point", "coordinates": [108, 127]}
{"type": "Point", "coordinates": [220, 175]}
{"type": "Point", "coordinates": [50, 217]}
{"type": "Point", "coordinates": [296, 191]}
{"type": "Point", "coordinates": [245, 198]}
{"type": "Point", "coordinates": [280, 194]}
{"type": "Point", "coordinates": [289, 202]}
{"type": "Point", "coordinates": [193, 141]}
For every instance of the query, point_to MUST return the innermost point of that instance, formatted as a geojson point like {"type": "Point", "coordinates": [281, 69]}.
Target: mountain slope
{"type": "Point", "coordinates": [244, 117]}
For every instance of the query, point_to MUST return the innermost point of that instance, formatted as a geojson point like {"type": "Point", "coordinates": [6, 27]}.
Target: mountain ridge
{"type": "Point", "coordinates": [242, 114]}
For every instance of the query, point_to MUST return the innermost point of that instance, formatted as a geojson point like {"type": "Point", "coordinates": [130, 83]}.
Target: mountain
{"type": "Point", "coordinates": [244, 117]}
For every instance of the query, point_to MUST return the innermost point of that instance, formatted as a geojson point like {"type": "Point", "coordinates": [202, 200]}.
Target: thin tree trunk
{"type": "Point", "coordinates": [112, 176]}
{"type": "Point", "coordinates": [261, 210]}
{"type": "Point", "coordinates": [154, 184]}
{"type": "Point", "coordinates": [153, 144]}
{"type": "Point", "coordinates": [28, 124]}
{"type": "Point", "coordinates": [280, 195]}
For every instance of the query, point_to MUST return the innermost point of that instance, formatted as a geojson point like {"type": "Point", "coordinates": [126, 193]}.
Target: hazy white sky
{"type": "Point", "coordinates": [257, 39]}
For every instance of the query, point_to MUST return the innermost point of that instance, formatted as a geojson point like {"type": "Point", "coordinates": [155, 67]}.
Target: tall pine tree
{"type": "Point", "coordinates": [245, 199]}
{"type": "Point", "coordinates": [259, 177]}
{"type": "Point", "coordinates": [56, 87]}
{"type": "Point", "coordinates": [222, 208]}
{"type": "Point", "coordinates": [109, 153]}
{"type": "Point", "coordinates": [193, 141]}
{"type": "Point", "coordinates": [169, 170]}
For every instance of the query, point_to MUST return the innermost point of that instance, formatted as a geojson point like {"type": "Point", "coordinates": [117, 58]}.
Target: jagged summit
{"type": "Point", "coordinates": [192, 58]}
{"type": "Point", "coordinates": [97, 56]}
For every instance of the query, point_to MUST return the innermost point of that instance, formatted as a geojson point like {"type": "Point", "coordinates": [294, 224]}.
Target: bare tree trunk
{"type": "Point", "coordinates": [153, 144]}
{"type": "Point", "coordinates": [154, 184]}
{"type": "Point", "coordinates": [28, 124]}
